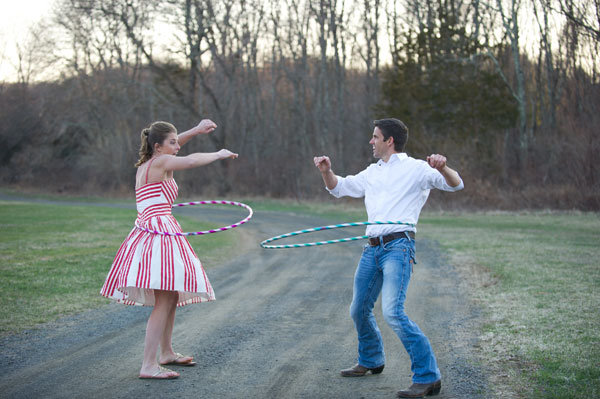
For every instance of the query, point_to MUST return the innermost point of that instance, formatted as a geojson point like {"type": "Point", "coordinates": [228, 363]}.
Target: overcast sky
{"type": "Point", "coordinates": [16, 17]}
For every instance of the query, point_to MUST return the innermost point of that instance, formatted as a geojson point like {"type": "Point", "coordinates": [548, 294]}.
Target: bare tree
{"type": "Point", "coordinates": [583, 13]}
{"type": "Point", "coordinates": [33, 55]}
{"type": "Point", "coordinates": [369, 50]}
{"type": "Point", "coordinates": [548, 69]}
{"type": "Point", "coordinates": [512, 31]}
{"type": "Point", "coordinates": [3, 60]}
{"type": "Point", "coordinates": [293, 91]}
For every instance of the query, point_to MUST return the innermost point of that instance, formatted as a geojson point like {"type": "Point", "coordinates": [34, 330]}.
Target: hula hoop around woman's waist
{"type": "Point", "coordinates": [211, 231]}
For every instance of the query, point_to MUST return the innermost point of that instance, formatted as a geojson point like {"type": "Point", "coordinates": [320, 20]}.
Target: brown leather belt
{"type": "Point", "coordinates": [374, 241]}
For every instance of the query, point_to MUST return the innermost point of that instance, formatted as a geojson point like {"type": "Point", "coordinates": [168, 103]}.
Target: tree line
{"type": "Point", "coordinates": [508, 89]}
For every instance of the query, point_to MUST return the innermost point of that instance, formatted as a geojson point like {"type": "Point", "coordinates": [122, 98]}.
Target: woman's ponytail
{"type": "Point", "coordinates": [145, 152]}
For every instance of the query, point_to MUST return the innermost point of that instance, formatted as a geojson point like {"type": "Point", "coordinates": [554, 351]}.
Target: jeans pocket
{"type": "Point", "coordinates": [397, 244]}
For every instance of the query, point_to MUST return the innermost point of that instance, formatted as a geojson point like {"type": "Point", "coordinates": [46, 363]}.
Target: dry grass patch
{"type": "Point", "coordinates": [537, 276]}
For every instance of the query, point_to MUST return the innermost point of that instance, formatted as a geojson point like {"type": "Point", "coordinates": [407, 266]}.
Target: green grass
{"type": "Point", "coordinates": [38, 195]}
{"type": "Point", "coordinates": [540, 291]}
{"type": "Point", "coordinates": [54, 258]}
{"type": "Point", "coordinates": [536, 275]}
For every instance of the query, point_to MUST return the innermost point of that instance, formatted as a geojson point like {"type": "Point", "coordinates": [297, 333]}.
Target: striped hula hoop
{"type": "Point", "coordinates": [330, 227]}
{"type": "Point", "coordinates": [198, 233]}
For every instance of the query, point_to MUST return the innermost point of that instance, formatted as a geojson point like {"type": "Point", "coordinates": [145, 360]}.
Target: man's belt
{"type": "Point", "coordinates": [374, 241]}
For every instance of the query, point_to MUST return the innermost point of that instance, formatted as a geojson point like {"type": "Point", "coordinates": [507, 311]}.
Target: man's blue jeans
{"type": "Point", "coordinates": [386, 268]}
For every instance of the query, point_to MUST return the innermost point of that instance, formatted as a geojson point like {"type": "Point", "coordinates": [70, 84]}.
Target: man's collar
{"type": "Point", "coordinates": [397, 156]}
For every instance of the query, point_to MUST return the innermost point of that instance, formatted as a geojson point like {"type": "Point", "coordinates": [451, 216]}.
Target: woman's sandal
{"type": "Point", "coordinates": [163, 373]}
{"type": "Point", "coordinates": [177, 362]}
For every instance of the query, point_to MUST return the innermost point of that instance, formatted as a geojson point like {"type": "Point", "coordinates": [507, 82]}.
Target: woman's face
{"type": "Point", "coordinates": [170, 146]}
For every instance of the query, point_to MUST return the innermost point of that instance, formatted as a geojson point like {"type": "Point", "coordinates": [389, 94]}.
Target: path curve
{"type": "Point", "coordinates": [279, 329]}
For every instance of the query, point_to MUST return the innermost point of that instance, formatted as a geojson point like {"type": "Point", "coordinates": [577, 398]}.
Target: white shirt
{"type": "Point", "coordinates": [394, 191]}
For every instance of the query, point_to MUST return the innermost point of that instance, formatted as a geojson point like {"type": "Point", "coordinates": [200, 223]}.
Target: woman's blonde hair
{"type": "Point", "coordinates": [157, 132]}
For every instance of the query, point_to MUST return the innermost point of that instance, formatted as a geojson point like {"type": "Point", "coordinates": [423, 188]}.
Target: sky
{"type": "Point", "coordinates": [17, 16]}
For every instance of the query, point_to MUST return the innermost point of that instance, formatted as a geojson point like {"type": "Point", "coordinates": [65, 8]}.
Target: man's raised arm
{"type": "Point", "coordinates": [324, 165]}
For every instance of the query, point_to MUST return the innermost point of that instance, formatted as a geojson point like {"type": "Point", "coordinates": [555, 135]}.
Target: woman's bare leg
{"type": "Point", "coordinates": [155, 329]}
{"type": "Point", "coordinates": [167, 354]}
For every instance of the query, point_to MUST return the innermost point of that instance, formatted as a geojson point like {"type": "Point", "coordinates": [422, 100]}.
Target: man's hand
{"type": "Point", "coordinates": [206, 126]}
{"type": "Point", "coordinates": [323, 163]}
{"type": "Point", "coordinates": [437, 161]}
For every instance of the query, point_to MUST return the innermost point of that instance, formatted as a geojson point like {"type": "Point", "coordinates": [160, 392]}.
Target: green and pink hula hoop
{"type": "Point", "coordinates": [330, 227]}
{"type": "Point", "coordinates": [198, 233]}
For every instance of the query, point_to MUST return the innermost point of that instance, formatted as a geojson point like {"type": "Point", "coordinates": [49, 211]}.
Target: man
{"type": "Point", "coordinates": [395, 189]}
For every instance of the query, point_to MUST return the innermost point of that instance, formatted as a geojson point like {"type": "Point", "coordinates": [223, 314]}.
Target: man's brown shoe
{"type": "Point", "coordinates": [359, 371]}
{"type": "Point", "coordinates": [420, 390]}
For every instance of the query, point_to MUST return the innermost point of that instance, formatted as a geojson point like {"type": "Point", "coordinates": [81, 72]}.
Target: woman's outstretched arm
{"type": "Point", "coordinates": [172, 162]}
{"type": "Point", "coordinates": [204, 127]}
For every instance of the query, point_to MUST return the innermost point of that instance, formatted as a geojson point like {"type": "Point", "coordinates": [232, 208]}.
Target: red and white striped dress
{"type": "Point", "coordinates": [147, 261]}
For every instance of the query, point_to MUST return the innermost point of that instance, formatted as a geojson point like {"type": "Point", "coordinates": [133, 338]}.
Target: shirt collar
{"type": "Point", "coordinates": [398, 156]}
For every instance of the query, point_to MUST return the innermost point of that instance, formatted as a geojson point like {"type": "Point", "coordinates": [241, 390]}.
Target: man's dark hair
{"type": "Point", "coordinates": [391, 127]}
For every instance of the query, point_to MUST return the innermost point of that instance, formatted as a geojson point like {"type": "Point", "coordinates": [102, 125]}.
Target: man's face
{"type": "Point", "coordinates": [380, 147]}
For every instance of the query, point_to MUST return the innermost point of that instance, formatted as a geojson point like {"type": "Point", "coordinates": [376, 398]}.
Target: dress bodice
{"type": "Point", "coordinates": [155, 199]}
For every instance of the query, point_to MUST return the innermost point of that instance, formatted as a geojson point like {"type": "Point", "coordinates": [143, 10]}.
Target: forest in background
{"type": "Point", "coordinates": [508, 90]}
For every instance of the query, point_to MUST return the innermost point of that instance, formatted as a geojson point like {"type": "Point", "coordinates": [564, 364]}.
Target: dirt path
{"type": "Point", "coordinates": [279, 329]}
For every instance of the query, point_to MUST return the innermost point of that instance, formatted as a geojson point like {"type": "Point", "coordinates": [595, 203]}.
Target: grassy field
{"type": "Point", "coordinates": [54, 258]}
{"type": "Point", "coordinates": [536, 275]}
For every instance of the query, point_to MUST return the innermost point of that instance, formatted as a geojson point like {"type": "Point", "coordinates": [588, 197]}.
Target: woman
{"type": "Point", "coordinates": [158, 270]}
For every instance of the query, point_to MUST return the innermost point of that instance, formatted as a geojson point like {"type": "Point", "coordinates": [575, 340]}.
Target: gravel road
{"type": "Point", "coordinates": [279, 329]}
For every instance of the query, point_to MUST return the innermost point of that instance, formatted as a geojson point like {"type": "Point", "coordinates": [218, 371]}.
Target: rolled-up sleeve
{"type": "Point", "coordinates": [434, 179]}
{"type": "Point", "coordinates": [350, 186]}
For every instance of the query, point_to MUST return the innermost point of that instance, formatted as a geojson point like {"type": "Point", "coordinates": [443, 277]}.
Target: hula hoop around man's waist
{"type": "Point", "coordinates": [330, 227]}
